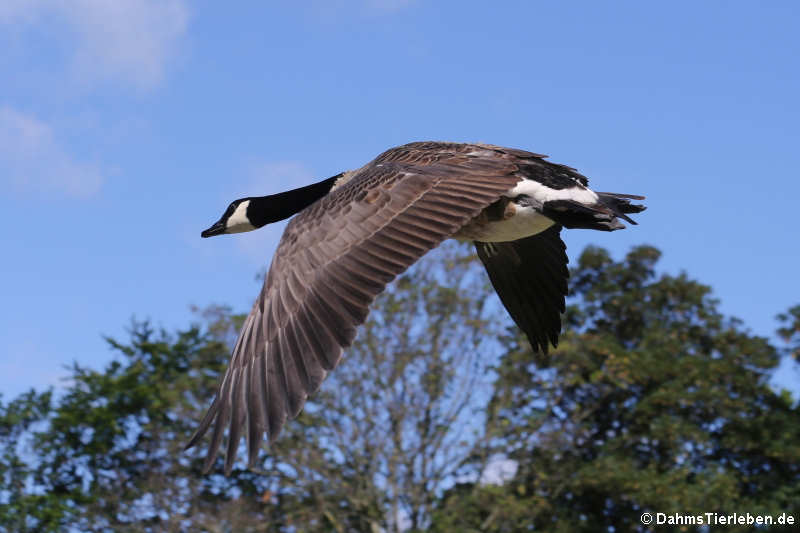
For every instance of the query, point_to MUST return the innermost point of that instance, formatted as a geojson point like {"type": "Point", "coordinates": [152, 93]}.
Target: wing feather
{"type": "Point", "coordinates": [530, 277]}
{"type": "Point", "coordinates": [237, 417]}
{"type": "Point", "coordinates": [334, 258]}
{"type": "Point", "coordinates": [256, 422]}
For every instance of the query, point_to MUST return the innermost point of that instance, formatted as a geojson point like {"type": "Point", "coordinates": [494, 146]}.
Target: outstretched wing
{"type": "Point", "coordinates": [334, 258]}
{"type": "Point", "coordinates": [530, 276]}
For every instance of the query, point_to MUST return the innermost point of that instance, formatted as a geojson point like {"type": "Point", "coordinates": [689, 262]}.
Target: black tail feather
{"type": "Point", "coordinates": [600, 216]}
{"type": "Point", "coordinates": [621, 204]}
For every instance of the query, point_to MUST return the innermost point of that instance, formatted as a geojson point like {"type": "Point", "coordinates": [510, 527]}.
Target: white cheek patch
{"type": "Point", "coordinates": [542, 193]}
{"type": "Point", "coordinates": [238, 221]}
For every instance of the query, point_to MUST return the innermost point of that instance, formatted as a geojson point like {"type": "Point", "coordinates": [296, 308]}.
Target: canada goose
{"type": "Point", "coordinates": [356, 231]}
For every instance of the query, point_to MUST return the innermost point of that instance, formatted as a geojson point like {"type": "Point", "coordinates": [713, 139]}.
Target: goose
{"type": "Point", "coordinates": [356, 231]}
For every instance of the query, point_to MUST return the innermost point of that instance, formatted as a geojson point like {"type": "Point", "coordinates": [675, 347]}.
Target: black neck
{"type": "Point", "coordinates": [268, 209]}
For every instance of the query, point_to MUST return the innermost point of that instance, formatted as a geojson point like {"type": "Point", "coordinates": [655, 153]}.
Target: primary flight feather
{"type": "Point", "coordinates": [354, 232]}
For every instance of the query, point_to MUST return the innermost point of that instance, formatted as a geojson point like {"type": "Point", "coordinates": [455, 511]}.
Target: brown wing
{"type": "Point", "coordinates": [334, 258]}
{"type": "Point", "coordinates": [530, 277]}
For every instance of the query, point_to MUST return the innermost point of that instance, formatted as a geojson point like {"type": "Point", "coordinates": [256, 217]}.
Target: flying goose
{"type": "Point", "coordinates": [354, 232]}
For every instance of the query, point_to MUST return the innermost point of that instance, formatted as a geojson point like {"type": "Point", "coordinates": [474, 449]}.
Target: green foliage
{"type": "Point", "coordinates": [396, 420]}
{"type": "Point", "coordinates": [790, 330]}
{"type": "Point", "coordinates": [17, 418]}
{"type": "Point", "coordinates": [107, 454]}
{"type": "Point", "coordinates": [372, 446]}
{"type": "Point", "coordinates": [653, 402]}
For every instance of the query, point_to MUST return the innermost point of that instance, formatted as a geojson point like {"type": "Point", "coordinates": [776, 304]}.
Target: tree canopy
{"type": "Point", "coordinates": [653, 402]}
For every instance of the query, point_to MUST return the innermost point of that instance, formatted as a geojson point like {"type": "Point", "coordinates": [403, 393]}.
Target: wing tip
{"type": "Point", "coordinates": [208, 462]}
{"type": "Point", "coordinates": [204, 425]}
{"type": "Point", "coordinates": [193, 440]}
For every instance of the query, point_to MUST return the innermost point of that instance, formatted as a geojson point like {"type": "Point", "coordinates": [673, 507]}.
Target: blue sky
{"type": "Point", "coordinates": [127, 126]}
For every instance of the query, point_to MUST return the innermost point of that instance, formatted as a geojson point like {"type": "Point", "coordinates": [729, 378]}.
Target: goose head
{"type": "Point", "coordinates": [240, 216]}
{"type": "Point", "coordinates": [247, 214]}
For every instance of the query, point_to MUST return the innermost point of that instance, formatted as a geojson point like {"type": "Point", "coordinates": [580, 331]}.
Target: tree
{"type": "Point", "coordinates": [790, 331]}
{"type": "Point", "coordinates": [393, 424]}
{"type": "Point", "coordinates": [370, 451]}
{"type": "Point", "coordinates": [107, 455]}
{"type": "Point", "coordinates": [17, 420]}
{"type": "Point", "coordinates": [654, 402]}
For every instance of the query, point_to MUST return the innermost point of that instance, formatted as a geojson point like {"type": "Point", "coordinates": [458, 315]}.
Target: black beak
{"type": "Point", "coordinates": [217, 229]}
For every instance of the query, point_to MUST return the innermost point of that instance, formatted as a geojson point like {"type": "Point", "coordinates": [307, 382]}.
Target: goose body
{"type": "Point", "coordinates": [354, 232]}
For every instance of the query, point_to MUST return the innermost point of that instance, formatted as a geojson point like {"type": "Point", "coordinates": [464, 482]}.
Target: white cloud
{"type": "Point", "coordinates": [20, 10]}
{"type": "Point", "coordinates": [124, 40]}
{"type": "Point", "coordinates": [31, 158]}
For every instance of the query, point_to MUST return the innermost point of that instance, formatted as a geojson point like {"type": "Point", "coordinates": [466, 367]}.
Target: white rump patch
{"type": "Point", "coordinates": [542, 193]}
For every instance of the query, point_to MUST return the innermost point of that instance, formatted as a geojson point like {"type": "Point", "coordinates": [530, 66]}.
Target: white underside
{"type": "Point", "coordinates": [525, 222]}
